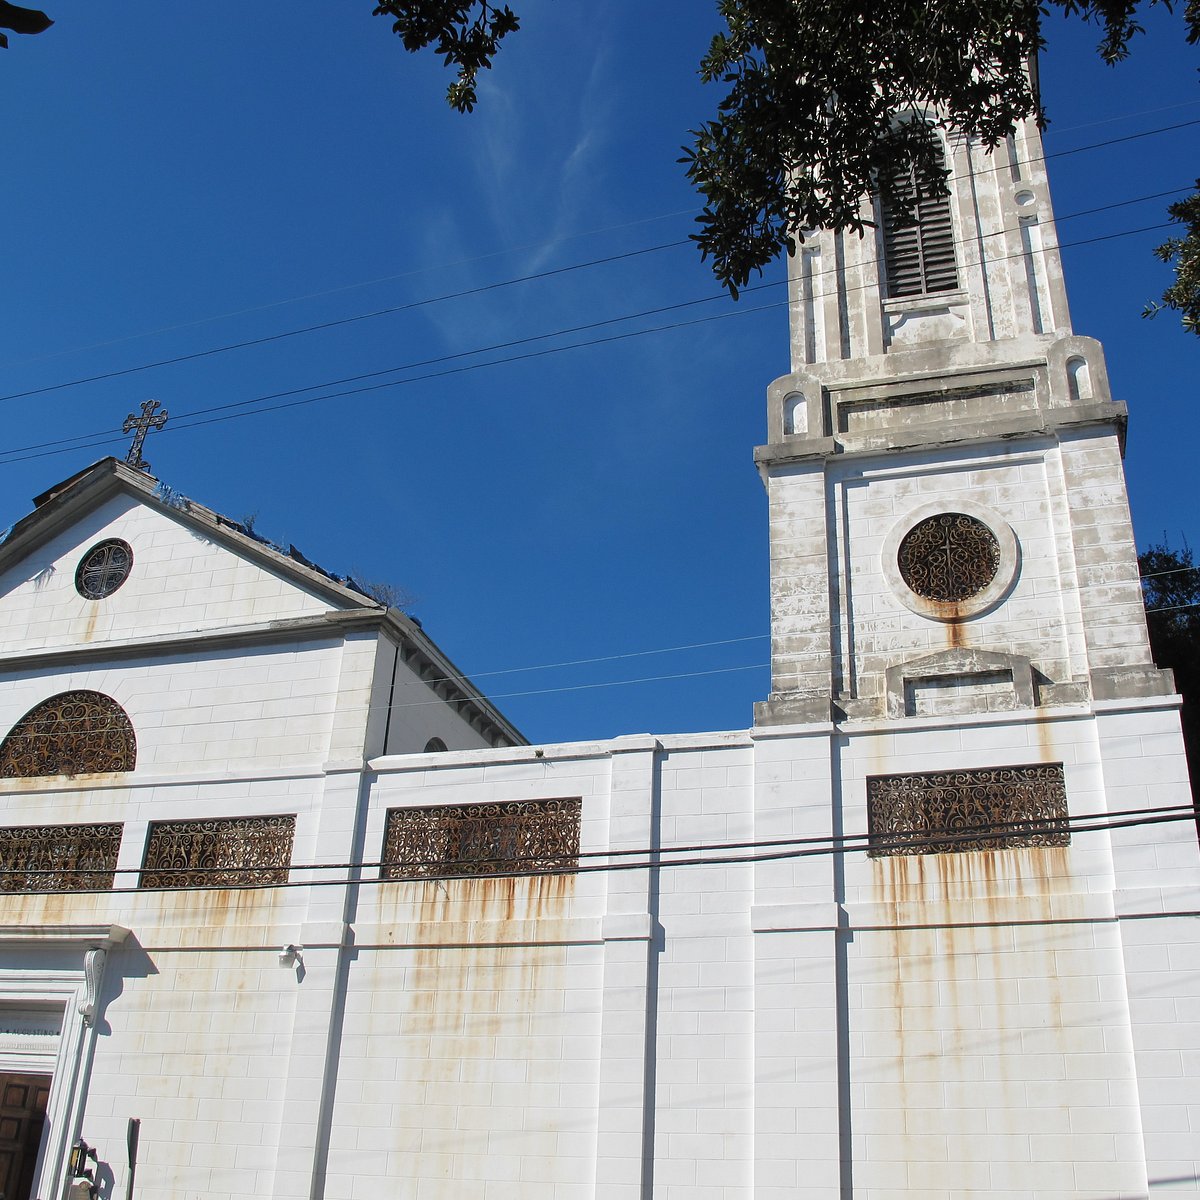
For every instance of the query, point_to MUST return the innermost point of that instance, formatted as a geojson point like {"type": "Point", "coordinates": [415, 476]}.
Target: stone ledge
{"type": "Point", "coordinates": [961, 663]}
{"type": "Point", "coordinates": [784, 709]}
{"type": "Point", "coordinates": [1132, 683]}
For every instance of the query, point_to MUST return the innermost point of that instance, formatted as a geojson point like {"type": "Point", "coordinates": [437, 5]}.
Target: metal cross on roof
{"type": "Point", "coordinates": [142, 425]}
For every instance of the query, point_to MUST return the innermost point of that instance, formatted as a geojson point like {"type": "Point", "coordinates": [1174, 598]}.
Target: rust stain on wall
{"type": "Point", "coordinates": [974, 987]}
{"type": "Point", "coordinates": [476, 1015]}
{"type": "Point", "coordinates": [214, 916]}
{"type": "Point", "coordinates": [1045, 736]}
{"type": "Point", "coordinates": [951, 613]}
{"type": "Point", "coordinates": [976, 875]}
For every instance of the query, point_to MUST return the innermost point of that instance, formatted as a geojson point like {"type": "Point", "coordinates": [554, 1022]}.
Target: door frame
{"type": "Point", "coordinates": [72, 985]}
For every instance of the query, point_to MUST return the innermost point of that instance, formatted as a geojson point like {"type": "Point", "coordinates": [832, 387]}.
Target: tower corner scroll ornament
{"type": "Point", "coordinates": [139, 427]}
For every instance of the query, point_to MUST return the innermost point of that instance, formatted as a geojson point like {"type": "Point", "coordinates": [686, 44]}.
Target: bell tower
{"type": "Point", "coordinates": [949, 527]}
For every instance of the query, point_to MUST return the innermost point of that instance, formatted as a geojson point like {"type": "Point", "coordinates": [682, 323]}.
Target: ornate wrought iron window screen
{"type": "Point", "coordinates": [948, 557]}
{"type": "Point", "coordinates": [59, 858]}
{"type": "Point", "coordinates": [523, 837]}
{"type": "Point", "coordinates": [937, 812]}
{"type": "Point", "coordinates": [73, 733]}
{"type": "Point", "coordinates": [230, 852]}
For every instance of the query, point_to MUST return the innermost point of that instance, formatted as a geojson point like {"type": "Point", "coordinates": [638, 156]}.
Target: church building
{"type": "Point", "coordinates": [291, 911]}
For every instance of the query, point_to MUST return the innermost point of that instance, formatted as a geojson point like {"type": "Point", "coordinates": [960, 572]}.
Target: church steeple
{"type": "Point", "coordinates": [949, 526]}
{"type": "Point", "coordinates": [979, 265]}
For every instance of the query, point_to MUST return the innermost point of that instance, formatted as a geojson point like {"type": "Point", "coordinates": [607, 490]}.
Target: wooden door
{"type": "Point", "coordinates": [22, 1115]}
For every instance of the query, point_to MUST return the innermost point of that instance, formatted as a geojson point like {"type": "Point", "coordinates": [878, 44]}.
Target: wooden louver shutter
{"type": "Point", "coordinates": [918, 243]}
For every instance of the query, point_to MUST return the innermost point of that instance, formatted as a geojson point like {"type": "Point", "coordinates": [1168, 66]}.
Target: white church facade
{"type": "Point", "coordinates": [289, 910]}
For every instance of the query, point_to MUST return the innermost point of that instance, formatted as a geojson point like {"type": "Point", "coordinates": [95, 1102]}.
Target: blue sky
{"type": "Point", "coordinates": [179, 181]}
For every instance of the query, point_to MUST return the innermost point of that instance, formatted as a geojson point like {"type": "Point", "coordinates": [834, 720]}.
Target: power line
{"type": "Point", "coordinates": [878, 845]}
{"type": "Point", "coordinates": [333, 324]}
{"type": "Point", "coordinates": [102, 438]}
{"type": "Point", "coordinates": [680, 648]}
{"type": "Point", "coordinates": [1052, 131]}
{"type": "Point", "coordinates": [250, 342]}
{"type": "Point", "coordinates": [1173, 571]}
{"type": "Point", "coordinates": [850, 841]}
{"type": "Point", "coordinates": [105, 438]}
{"type": "Point", "coordinates": [8, 455]}
{"type": "Point", "coordinates": [834, 654]}
{"type": "Point", "coordinates": [1129, 137]}
{"type": "Point", "coordinates": [581, 662]}
{"type": "Point", "coordinates": [362, 283]}
{"type": "Point", "coordinates": [1172, 608]}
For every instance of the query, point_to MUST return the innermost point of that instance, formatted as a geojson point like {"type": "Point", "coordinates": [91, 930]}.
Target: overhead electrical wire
{"type": "Point", "coordinates": [461, 262]}
{"type": "Point", "coordinates": [334, 323]}
{"type": "Point", "coordinates": [101, 438]}
{"type": "Point", "coordinates": [354, 318]}
{"type": "Point", "coordinates": [653, 858]}
{"type": "Point", "coordinates": [684, 647]}
{"type": "Point", "coordinates": [72, 443]}
{"type": "Point", "coordinates": [109, 435]}
{"type": "Point", "coordinates": [565, 332]}
{"type": "Point", "coordinates": [350, 287]}
{"type": "Point", "coordinates": [657, 858]}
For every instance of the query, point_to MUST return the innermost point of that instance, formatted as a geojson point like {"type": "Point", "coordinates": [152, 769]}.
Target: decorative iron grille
{"type": "Point", "coordinates": [519, 837]}
{"type": "Point", "coordinates": [70, 734]}
{"type": "Point", "coordinates": [948, 557]}
{"type": "Point", "coordinates": [103, 569]}
{"type": "Point", "coordinates": [235, 852]}
{"type": "Point", "coordinates": [59, 858]}
{"type": "Point", "coordinates": [948, 811]}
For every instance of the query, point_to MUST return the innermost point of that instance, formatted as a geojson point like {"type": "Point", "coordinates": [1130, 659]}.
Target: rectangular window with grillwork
{"type": "Point", "coordinates": [523, 837]}
{"type": "Point", "coordinates": [59, 858]}
{"type": "Point", "coordinates": [234, 852]}
{"type": "Point", "coordinates": [941, 812]}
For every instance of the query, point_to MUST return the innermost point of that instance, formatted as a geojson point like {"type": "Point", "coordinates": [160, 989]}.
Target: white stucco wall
{"type": "Point", "coordinates": [418, 714]}
{"type": "Point", "coordinates": [839, 611]}
{"type": "Point", "coordinates": [1013, 1021]}
{"type": "Point", "coordinates": [180, 581]}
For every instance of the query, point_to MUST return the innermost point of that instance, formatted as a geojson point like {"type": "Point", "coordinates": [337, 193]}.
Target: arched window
{"type": "Point", "coordinates": [918, 237]}
{"type": "Point", "coordinates": [73, 733]}
{"type": "Point", "coordinates": [435, 745]}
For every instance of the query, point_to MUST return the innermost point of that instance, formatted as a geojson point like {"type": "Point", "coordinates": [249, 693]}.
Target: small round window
{"type": "Point", "coordinates": [103, 569]}
{"type": "Point", "coordinates": [948, 557]}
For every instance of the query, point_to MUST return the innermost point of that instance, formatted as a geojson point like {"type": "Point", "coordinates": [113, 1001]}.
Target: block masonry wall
{"type": "Point", "coordinates": [1011, 1022]}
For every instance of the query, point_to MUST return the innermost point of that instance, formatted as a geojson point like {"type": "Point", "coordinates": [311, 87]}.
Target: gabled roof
{"type": "Point", "coordinates": [64, 503]}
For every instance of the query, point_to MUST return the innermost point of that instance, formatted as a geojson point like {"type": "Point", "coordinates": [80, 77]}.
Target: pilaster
{"type": "Point", "coordinates": [324, 942]}
{"type": "Point", "coordinates": [625, 1121]}
{"type": "Point", "coordinates": [800, 1017]}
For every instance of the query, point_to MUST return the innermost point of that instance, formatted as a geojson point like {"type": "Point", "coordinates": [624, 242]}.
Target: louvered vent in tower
{"type": "Point", "coordinates": [918, 241]}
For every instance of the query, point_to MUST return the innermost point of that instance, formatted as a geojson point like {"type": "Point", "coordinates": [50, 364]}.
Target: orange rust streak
{"type": "Point", "coordinates": [462, 1000]}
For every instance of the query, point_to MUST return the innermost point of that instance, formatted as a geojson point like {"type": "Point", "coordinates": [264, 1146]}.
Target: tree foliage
{"type": "Point", "coordinates": [1171, 591]}
{"type": "Point", "coordinates": [1183, 254]}
{"type": "Point", "coordinates": [808, 123]}
{"type": "Point", "coordinates": [466, 35]}
{"type": "Point", "coordinates": [21, 20]}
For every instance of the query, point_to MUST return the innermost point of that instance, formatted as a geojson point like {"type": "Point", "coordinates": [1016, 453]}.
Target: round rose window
{"type": "Point", "coordinates": [103, 569]}
{"type": "Point", "coordinates": [948, 557]}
